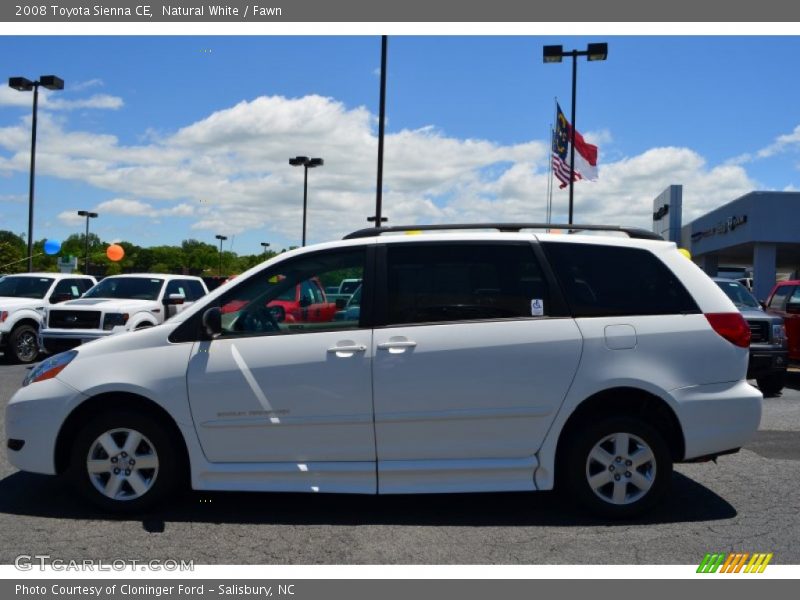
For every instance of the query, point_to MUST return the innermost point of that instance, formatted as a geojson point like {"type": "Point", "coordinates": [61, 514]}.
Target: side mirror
{"type": "Point", "coordinates": [175, 299]}
{"type": "Point", "coordinates": [212, 322]}
{"type": "Point", "coordinates": [305, 301]}
{"type": "Point", "coordinates": [341, 303]}
{"type": "Point", "coordinates": [762, 304]}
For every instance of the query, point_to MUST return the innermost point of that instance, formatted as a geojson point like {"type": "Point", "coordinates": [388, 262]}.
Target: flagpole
{"type": "Point", "coordinates": [550, 177]}
{"type": "Point", "coordinates": [552, 134]}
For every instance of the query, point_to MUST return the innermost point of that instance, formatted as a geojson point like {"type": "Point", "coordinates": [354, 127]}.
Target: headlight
{"type": "Point", "coordinates": [112, 320]}
{"type": "Point", "coordinates": [779, 334]}
{"type": "Point", "coordinates": [47, 369]}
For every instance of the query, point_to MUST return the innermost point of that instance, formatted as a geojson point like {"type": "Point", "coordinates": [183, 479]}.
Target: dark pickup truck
{"type": "Point", "coordinates": [769, 355]}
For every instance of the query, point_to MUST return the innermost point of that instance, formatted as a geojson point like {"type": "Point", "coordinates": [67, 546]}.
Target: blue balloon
{"type": "Point", "coordinates": [52, 246]}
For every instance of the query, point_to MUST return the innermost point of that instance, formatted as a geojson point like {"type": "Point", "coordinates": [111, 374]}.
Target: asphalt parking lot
{"type": "Point", "coordinates": [749, 501]}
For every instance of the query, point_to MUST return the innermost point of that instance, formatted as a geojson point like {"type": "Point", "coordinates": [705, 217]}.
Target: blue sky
{"type": "Point", "coordinates": [176, 137]}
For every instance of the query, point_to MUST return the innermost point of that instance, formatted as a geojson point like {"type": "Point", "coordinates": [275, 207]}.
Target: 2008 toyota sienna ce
{"type": "Point", "coordinates": [478, 361]}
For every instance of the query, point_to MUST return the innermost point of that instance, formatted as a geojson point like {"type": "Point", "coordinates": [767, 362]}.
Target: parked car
{"type": "Point", "coordinates": [305, 302]}
{"type": "Point", "coordinates": [479, 361]}
{"type": "Point", "coordinates": [768, 352]}
{"type": "Point", "coordinates": [118, 304]}
{"type": "Point", "coordinates": [349, 286]}
{"type": "Point", "coordinates": [784, 301]}
{"type": "Point", "coordinates": [23, 298]}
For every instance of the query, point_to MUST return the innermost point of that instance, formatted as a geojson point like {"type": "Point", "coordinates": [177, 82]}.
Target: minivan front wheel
{"type": "Point", "coordinates": [618, 467]}
{"type": "Point", "coordinates": [124, 462]}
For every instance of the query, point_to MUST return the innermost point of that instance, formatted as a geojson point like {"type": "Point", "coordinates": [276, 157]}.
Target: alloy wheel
{"type": "Point", "coordinates": [122, 464]}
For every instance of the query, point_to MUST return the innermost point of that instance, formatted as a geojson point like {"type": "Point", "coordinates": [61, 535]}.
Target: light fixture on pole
{"type": "Point", "coordinates": [221, 239]}
{"type": "Point", "coordinates": [88, 215]}
{"type": "Point", "coordinates": [265, 245]}
{"type": "Point", "coordinates": [308, 163]}
{"type": "Point", "coordinates": [21, 84]}
{"type": "Point", "coordinates": [554, 54]}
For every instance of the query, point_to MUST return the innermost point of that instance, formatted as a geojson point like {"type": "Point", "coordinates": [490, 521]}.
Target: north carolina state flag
{"type": "Point", "coordinates": [585, 153]}
{"type": "Point", "coordinates": [585, 157]}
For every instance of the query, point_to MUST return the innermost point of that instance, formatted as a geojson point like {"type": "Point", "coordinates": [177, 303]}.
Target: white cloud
{"type": "Point", "coordinates": [782, 143]}
{"type": "Point", "coordinates": [230, 173]}
{"type": "Point", "coordinates": [102, 101]}
{"type": "Point", "coordinates": [56, 101]}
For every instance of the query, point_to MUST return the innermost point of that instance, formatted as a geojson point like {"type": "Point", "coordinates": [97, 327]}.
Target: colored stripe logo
{"type": "Point", "coordinates": [737, 562]}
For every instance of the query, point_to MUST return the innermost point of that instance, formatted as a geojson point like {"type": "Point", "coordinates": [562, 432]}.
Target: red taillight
{"type": "Point", "coordinates": [732, 327]}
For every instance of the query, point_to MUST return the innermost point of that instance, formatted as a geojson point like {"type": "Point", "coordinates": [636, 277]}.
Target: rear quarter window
{"type": "Point", "coordinates": [601, 281]}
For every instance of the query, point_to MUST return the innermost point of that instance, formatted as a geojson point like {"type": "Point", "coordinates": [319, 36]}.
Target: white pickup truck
{"type": "Point", "coordinates": [23, 299]}
{"type": "Point", "coordinates": [118, 304]}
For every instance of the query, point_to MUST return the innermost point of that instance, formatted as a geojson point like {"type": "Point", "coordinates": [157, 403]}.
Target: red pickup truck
{"type": "Point", "coordinates": [304, 303]}
{"type": "Point", "coordinates": [784, 300]}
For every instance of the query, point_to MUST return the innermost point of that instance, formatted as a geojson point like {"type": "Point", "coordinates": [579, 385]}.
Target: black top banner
{"type": "Point", "coordinates": [452, 11]}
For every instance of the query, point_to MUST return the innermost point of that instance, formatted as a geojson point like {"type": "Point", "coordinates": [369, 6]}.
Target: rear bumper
{"type": "Point", "coordinates": [718, 417]}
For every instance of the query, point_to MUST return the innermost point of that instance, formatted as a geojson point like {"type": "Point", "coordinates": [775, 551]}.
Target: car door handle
{"type": "Point", "coordinates": [393, 345]}
{"type": "Point", "coordinates": [353, 348]}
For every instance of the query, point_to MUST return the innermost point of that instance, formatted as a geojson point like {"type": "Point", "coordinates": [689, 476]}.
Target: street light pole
{"type": "Point", "coordinates": [221, 239]}
{"type": "Point", "coordinates": [265, 245]}
{"type": "Point", "coordinates": [572, 135]}
{"type": "Point", "coordinates": [381, 121]}
{"type": "Point", "coordinates": [306, 163]}
{"type": "Point", "coordinates": [21, 84]}
{"type": "Point", "coordinates": [88, 215]}
{"type": "Point", "coordinates": [553, 54]}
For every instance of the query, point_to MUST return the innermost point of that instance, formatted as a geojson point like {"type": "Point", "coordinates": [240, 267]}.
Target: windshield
{"type": "Point", "coordinates": [129, 288]}
{"type": "Point", "coordinates": [739, 294]}
{"type": "Point", "coordinates": [25, 287]}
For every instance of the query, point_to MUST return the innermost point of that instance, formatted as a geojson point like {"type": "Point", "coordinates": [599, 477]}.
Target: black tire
{"type": "Point", "coordinates": [656, 473]}
{"type": "Point", "coordinates": [23, 345]}
{"type": "Point", "coordinates": [157, 439]}
{"type": "Point", "coordinates": [771, 385]}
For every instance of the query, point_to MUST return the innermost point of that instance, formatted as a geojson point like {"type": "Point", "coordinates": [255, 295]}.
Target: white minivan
{"type": "Point", "coordinates": [478, 361]}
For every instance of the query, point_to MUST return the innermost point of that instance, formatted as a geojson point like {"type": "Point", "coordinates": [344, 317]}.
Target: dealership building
{"type": "Point", "coordinates": [758, 232]}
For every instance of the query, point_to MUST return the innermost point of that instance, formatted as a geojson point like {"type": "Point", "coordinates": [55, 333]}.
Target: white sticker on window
{"type": "Point", "coordinates": [75, 291]}
{"type": "Point", "coordinates": [537, 307]}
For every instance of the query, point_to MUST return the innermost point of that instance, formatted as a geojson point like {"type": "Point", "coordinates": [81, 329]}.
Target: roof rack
{"type": "Point", "coordinates": [632, 232]}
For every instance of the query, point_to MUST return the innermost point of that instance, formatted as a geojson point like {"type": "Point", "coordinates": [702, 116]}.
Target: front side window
{"type": "Point", "coordinates": [290, 297]}
{"type": "Point", "coordinates": [67, 289]}
{"type": "Point", "coordinates": [601, 281]}
{"type": "Point", "coordinates": [437, 282]}
{"type": "Point", "coordinates": [129, 288]}
{"type": "Point", "coordinates": [778, 300]}
{"type": "Point", "coordinates": [24, 287]}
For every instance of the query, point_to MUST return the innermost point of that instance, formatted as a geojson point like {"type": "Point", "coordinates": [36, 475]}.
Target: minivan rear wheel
{"type": "Point", "coordinates": [124, 462]}
{"type": "Point", "coordinates": [618, 467]}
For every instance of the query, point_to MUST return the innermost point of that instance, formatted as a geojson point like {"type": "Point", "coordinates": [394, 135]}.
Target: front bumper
{"type": "Point", "coordinates": [717, 417]}
{"type": "Point", "coordinates": [59, 340]}
{"type": "Point", "coordinates": [766, 361]}
{"type": "Point", "coordinates": [34, 415]}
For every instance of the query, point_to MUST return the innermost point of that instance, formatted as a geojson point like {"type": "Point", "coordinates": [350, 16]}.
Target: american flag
{"type": "Point", "coordinates": [560, 147]}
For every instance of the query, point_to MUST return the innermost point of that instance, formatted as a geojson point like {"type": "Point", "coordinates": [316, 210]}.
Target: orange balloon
{"type": "Point", "coordinates": [115, 252]}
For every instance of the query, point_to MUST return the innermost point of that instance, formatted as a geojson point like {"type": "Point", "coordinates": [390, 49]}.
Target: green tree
{"type": "Point", "coordinates": [13, 250]}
